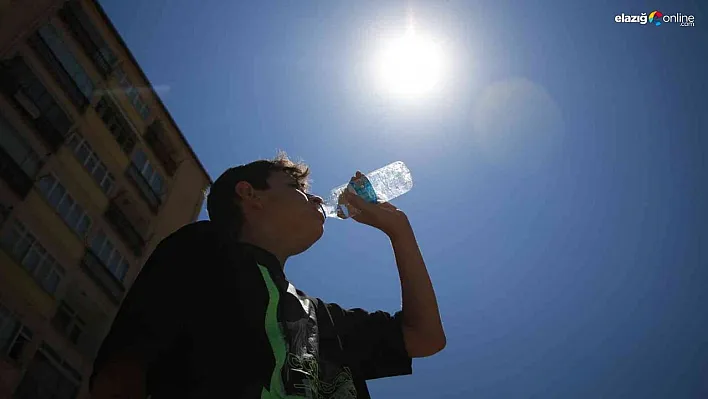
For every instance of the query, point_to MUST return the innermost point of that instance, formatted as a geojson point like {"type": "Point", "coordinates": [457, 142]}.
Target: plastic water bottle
{"type": "Point", "coordinates": [381, 185]}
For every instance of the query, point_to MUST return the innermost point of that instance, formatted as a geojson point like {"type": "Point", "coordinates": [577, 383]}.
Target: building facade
{"type": "Point", "coordinates": [94, 172]}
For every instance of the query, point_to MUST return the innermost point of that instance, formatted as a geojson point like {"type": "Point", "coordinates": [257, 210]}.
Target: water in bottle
{"type": "Point", "coordinates": [381, 185]}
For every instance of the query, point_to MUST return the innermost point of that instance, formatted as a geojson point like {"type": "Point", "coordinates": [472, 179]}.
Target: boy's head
{"type": "Point", "coordinates": [268, 197]}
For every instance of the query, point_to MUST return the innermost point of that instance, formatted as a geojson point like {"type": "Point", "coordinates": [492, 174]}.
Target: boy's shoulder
{"type": "Point", "coordinates": [197, 236]}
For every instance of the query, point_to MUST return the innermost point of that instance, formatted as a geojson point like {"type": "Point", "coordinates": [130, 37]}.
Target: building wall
{"type": "Point", "coordinates": [89, 289]}
{"type": "Point", "coordinates": [19, 18]}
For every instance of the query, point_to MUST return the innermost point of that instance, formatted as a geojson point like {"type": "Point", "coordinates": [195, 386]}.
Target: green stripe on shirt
{"type": "Point", "coordinates": [276, 339]}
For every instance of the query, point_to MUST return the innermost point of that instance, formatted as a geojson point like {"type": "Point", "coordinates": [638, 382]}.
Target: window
{"type": "Point", "coordinates": [149, 172]}
{"type": "Point", "coordinates": [67, 321]}
{"type": "Point", "coordinates": [23, 247]}
{"type": "Point", "coordinates": [8, 329]}
{"type": "Point", "coordinates": [93, 165]}
{"type": "Point", "coordinates": [133, 94]}
{"type": "Point", "coordinates": [18, 149]}
{"type": "Point", "coordinates": [20, 339]}
{"type": "Point", "coordinates": [49, 43]}
{"type": "Point", "coordinates": [104, 249]}
{"type": "Point", "coordinates": [14, 337]}
{"type": "Point", "coordinates": [66, 206]}
{"type": "Point", "coordinates": [116, 124]}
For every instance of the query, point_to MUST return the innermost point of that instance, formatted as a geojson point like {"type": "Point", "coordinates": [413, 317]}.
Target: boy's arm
{"type": "Point", "coordinates": [422, 327]}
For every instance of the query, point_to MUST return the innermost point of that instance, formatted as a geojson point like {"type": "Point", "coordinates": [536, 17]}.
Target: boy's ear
{"type": "Point", "coordinates": [248, 195]}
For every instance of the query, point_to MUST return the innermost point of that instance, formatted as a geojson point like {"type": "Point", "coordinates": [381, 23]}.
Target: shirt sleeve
{"type": "Point", "coordinates": [150, 319]}
{"type": "Point", "coordinates": [374, 341]}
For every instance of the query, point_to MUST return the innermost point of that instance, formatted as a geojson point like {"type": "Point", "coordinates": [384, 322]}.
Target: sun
{"type": "Point", "coordinates": [410, 65]}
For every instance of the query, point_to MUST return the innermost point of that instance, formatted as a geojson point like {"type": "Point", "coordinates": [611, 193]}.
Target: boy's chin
{"type": "Point", "coordinates": [306, 244]}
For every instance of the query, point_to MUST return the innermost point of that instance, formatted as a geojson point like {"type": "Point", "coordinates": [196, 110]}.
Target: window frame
{"type": "Point", "coordinates": [150, 177]}
{"type": "Point", "coordinates": [18, 329]}
{"type": "Point", "coordinates": [132, 93]}
{"type": "Point", "coordinates": [75, 322]}
{"type": "Point", "coordinates": [123, 265]}
{"type": "Point", "coordinates": [46, 263]}
{"type": "Point", "coordinates": [82, 143]}
{"type": "Point", "coordinates": [49, 196]}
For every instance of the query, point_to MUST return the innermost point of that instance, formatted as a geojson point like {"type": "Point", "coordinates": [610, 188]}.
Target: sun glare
{"type": "Point", "coordinates": [410, 65]}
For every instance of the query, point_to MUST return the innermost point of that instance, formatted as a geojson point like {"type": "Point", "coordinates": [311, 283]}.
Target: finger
{"type": "Point", "coordinates": [357, 201]}
{"type": "Point", "coordinates": [350, 197]}
{"type": "Point", "coordinates": [388, 205]}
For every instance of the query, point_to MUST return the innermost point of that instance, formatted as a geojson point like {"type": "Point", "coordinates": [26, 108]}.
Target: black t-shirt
{"type": "Point", "coordinates": [215, 319]}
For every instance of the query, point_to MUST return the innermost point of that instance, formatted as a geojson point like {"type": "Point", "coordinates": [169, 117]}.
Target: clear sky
{"type": "Point", "coordinates": [559, 166]}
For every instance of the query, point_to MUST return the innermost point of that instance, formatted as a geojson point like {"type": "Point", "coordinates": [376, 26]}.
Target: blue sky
{"type": "Point", "coordinates": [560, 174]}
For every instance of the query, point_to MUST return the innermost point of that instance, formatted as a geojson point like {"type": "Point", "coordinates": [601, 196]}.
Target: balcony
{"type": "Point", "coordinates": [123, 226]}
{"type": "Point", "coordinates": [160, 145]}
{"type": "Point", "coordinates": [146, 191]}
{"type": "Point", "coordinates": [94, 267]}
{"type": "Point", "coordinates": [13, 175]}
{"type": "Point", "coordinates": [117, 125]}
{"type": "Point", "coordinates": [31, 98]}
{"type": "Point", "coordinates": [88, 37]}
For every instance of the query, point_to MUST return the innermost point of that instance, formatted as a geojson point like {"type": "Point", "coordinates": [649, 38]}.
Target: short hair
{"type": "Point", "coordinates": [224, 205]}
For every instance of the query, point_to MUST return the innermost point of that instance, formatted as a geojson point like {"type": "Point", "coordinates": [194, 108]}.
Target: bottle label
{"type": "Point", "coordinates": [363, 188]}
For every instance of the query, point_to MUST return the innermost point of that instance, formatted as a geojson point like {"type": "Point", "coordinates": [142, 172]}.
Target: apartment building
{"type": "Point", "coordinates": [94, 172]}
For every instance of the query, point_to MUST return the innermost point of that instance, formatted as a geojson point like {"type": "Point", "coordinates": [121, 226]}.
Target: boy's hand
{"type": "Point", "coordinates": [383, 216]}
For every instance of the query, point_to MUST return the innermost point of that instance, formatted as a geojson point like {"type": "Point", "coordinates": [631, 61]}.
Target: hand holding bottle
{"type": "Point", "coordinates": [381, 185]}
{"type": "Point", "coordinates": [382, 215]}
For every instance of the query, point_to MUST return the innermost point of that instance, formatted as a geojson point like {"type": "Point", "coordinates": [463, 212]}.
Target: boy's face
{"type": "Point", "coordinates": [296, 215]}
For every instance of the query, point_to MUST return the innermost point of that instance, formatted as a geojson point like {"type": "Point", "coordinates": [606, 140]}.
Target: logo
{"type": "Point", "coordinates": [656, 18]}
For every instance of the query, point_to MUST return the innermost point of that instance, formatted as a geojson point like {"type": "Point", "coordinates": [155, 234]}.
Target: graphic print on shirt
{"type": "Point", "coordinates": [300, 370]}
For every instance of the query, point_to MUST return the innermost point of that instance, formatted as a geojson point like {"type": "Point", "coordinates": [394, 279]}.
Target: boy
{"type": "Point", "coordinates": [212, 314]}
